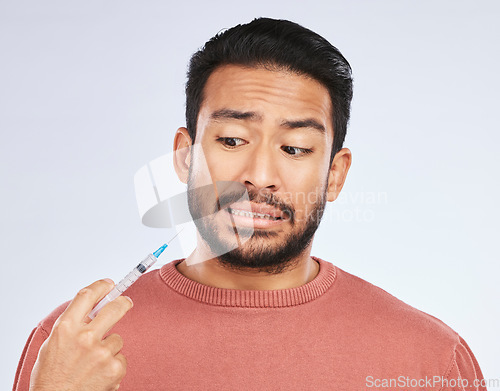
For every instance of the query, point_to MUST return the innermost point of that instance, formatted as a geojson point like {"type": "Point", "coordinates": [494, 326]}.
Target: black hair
{"type": "Point", "coordinates": [280, 44]}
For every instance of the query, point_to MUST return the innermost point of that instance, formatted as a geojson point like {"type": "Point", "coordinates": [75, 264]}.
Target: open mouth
{"type": "Point", "coordinates": [254, 215]}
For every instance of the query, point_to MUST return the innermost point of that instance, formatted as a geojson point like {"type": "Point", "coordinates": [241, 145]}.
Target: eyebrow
{"type": "Point", "coordinates": [235, 114]}
{"type": "Point", "coordinates": [310, 123]}
{"type": "Point", "coordinates": [304, 123]}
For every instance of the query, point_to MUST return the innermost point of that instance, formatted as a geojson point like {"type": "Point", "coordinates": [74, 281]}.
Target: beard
{"type": "Point", "coordinates": [243, 249]}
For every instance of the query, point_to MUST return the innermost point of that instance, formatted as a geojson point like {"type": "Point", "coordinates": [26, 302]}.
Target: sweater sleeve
{"type": "Point", "coordinates": [30, 351]}
{"type": "Point", "coordinates": [463, 373]}
{"type": "Point", "coordinates": [28, 358]}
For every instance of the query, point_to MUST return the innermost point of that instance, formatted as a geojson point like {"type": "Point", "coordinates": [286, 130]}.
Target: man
{"type": "Point", "coordinates": [269, 103]}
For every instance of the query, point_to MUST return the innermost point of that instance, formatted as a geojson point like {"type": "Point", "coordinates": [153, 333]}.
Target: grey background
{"type": "Point", "coordinates": [91, 91]}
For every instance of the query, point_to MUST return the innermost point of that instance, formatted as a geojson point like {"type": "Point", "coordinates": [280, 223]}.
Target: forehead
{"type": "Point", "coordinates": [275, 94]}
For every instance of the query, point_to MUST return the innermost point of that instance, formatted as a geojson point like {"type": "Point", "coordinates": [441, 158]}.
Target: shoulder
{"type": "Point", "coordinates": [385, 317]}
{"type": "Point", "coordinates": [142, 290]}
{"type": "Point", "coordinates": [412, 335]}
{"type": "Point", "coordinates": [47, 323]}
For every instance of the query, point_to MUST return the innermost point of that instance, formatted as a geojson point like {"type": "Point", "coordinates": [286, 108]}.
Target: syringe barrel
{"type": "Point", "coordinates": [125, 283]}
{"type": "Point", "coordinates": [148, 262]}
{"type": "Point", "coordinates": [99, 306]}
{"type": "Point", "coordinates": [136, 272]}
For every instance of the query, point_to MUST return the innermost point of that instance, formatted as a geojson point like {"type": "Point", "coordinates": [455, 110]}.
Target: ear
{"type": "Point", "coordinates": [338, 173]}
{"type": "Point", "coordinates": [182, 153]}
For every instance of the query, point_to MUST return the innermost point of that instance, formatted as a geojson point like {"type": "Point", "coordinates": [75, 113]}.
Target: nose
{"type": "Point", "coordinates": [261, 172]}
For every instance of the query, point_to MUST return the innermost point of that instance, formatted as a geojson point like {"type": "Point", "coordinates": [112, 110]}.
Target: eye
{"type": "Point", "coordinates": [296, 151]}
{"type": "Point", "coordinates": [231, 142]}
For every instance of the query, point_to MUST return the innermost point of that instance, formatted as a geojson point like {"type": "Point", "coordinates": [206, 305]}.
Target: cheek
{"type": "Point", "coordinates": [305, 193]}
{"type": "Point", "coordinates": [223, 169]}
{"type": "Point", "coordinates": [224, 165]}
{"type": "Point", "coordinates": [304, 179]}
{"type": "Point", "coordinates": [214, 164]}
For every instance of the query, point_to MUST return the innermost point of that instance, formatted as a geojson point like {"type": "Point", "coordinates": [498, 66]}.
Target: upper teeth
{"type": "Point", "coordinates": [238, 212]}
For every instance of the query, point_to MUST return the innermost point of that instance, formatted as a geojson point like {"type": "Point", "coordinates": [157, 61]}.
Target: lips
{"type": "Point", "coordinates": [256, 211]}
{"type": "Point", "coordinates": [253, 215]}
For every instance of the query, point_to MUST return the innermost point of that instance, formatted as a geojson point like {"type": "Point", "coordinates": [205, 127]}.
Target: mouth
{"type": "Point", "coordinates": [254, 215]}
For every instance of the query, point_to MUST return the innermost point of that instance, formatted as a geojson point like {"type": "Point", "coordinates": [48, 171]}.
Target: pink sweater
{"type": "Point", "coordinates": [337, 332]}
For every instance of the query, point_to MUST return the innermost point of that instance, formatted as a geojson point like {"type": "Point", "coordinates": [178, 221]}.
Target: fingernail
{"type": "Point", "coordinates": [129, 299]}
{"type": "Point", "coordinates": [109, 280]}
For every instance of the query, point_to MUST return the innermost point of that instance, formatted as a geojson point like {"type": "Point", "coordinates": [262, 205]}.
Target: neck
{"type": "Point", "coordinates": [207, 270]}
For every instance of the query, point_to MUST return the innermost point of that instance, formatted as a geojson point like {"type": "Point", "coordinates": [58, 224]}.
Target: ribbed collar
{"type": "Point", "coordinates": [249, 298]}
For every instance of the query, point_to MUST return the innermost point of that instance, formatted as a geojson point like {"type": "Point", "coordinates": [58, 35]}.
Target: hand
{"type": "Point", "coordinates": [75, 356]}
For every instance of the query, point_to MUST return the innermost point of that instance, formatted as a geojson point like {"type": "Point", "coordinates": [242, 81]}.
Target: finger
{"type": "Point", "coordinates": [114, 343]}
{"type": "Point", "coordinates": [120, 369]}
{"type": "Point", "coordinates": [110, 314]}
{"type": "Point", "coordinates": [86, 299]}
{"type": "Point", "coordinates": [120, 357]}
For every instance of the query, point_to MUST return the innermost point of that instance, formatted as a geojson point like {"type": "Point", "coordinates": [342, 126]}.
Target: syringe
{"type": "Point", "coordinates": [130, 278]}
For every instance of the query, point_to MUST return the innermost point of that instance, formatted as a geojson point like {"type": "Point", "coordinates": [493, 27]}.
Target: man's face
{"type": "Point", "coordinates": [271, 131]}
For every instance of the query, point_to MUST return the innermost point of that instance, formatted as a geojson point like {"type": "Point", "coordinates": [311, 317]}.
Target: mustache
{"type": "Point", "coordinates": [227, 198]}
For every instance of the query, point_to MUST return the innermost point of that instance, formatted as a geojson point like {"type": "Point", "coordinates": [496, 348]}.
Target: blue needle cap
{"type": "Point", "coordinates": [158, 252]}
